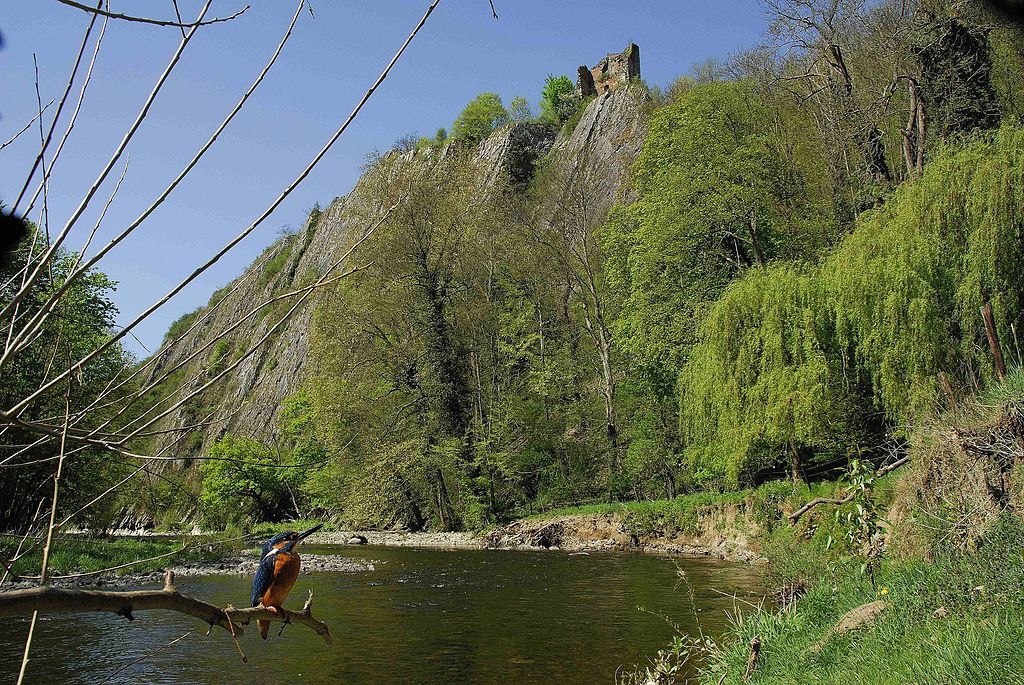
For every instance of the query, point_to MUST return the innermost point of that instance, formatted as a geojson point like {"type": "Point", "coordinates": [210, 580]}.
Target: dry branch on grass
{"type": "Point", "coordinates": [795, 516]}
{"type": "Point", "coordinates": [48, 599]}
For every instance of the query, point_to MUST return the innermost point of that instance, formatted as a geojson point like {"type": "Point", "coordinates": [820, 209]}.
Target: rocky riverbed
{"type": "Point", "coordinates": [388, 538]}
{"type": "Point", "coordinates": [244, 565]}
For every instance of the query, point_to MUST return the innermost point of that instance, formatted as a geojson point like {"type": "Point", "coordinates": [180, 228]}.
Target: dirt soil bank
{"type": "Point", "coordinates": [724, 532]}
{"type": "Point", "coordinates": [721, 535]}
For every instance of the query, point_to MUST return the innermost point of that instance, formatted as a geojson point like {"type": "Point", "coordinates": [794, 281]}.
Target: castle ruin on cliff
{"type": "Point", "coordinates": [614, 70]}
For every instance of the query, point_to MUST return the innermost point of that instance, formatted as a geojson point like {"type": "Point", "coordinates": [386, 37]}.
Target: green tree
{"type": "Point", "coordinates": [519, 110]}
{"type": "Point", "coordinates": [79, 323]}
{"type": "Point", "coordinates": [392, 348]}
{"type": "Point", "coordinates": [558, 100]}
{"type": "Point", "coordinates": [246, 481]}
{"type": "Point", "coordinates": [481, 116]}
{"type": "Point", "coordinates": [715, 199]}
{"type": "Point", "coordinates": [797, 360]}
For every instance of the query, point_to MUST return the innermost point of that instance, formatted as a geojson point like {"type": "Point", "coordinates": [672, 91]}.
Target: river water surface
{"type": "Point", "coordinates": [421, 616]}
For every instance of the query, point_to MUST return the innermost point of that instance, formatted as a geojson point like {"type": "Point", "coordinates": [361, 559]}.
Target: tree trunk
{"type": "Point", "coordinates": [795, 465]}
{"type": "Point", "coordinates": [993, 340]}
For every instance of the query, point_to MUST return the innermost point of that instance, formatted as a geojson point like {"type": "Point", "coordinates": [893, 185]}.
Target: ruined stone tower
{"type": "Point", "coordinates": [611, 72]}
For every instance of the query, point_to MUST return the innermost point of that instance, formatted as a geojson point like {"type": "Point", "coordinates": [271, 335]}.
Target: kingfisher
{"type": "Point", "coordinates": [276, 574]}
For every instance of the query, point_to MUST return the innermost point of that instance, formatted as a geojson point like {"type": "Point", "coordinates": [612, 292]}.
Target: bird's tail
{"type": "Point", "coordinates": [264, 628]}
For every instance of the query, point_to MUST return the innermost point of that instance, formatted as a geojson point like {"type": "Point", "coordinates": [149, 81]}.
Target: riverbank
{"type": "Point", "coordinates": [914, 577]}
{"type": "Point", "coordinates": [731, 526]}
{"type": "Point", "coordinates": [612, 532]}
{"type": "Point", "coordinates": [721, 526]}
{"type": "Point", "coordinates": [390, 538]}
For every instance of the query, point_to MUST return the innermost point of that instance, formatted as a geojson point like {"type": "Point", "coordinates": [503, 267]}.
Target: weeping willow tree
{"type": "Point", "coordinates": [908, 285]}
{"type": "Point", "coordinates": [793, 361]}
{"type": "Point", "coordinates": [764, 383]}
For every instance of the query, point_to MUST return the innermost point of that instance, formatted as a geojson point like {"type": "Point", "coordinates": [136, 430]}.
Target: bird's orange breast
{"type": "Point", "coordinates": [286, 570]}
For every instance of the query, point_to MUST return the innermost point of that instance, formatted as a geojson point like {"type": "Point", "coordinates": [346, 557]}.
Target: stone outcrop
{"type": "Point", "coordinates": [606, 141]}
{"type": "Point", "coordinates": [515, 150]}
{"type": "Point", "coordinates": [585, 87]}
{"type": "Point", "coordinates": [249, 399]}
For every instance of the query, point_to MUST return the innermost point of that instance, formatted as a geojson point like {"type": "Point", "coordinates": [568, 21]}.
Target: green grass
{"type": "Point", "coordinates": [181, 324]}
{"type": "Point", "coordinates": [274, 265]}
{"type": "Point", "coordinates": [682, 514]}
{"type": "Point", "coordinates": [977, 641]}
{"type": "Point", "coordinates": [88, 554]}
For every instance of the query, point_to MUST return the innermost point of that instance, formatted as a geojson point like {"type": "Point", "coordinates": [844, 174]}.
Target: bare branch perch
{"type": "Point", "coordinates": [51, 600]}
{"type": "Point", "coordinates": [150, 20]}
{"type": "Point", "coordinates": [795, 516]}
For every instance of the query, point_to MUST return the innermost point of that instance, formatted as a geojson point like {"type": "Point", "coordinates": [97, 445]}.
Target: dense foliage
{"type": "Point", "coordinates": [558, 100]}
{"type": "Point", "coordinates": [794, 359]}
{"type": "Point", "coordinates": [80, 322]}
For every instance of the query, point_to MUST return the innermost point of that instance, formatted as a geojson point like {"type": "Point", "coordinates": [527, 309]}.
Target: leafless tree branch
{"type": "Point", "coordinates": [150, 20]}
{"type": "Point", "coordinates": [48, 599]}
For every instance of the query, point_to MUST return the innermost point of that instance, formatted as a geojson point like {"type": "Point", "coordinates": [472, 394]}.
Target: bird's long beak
{"type": "Point", "coordinates": [306, 533]}
{"type": "Point", "coordinates": [302, 536]}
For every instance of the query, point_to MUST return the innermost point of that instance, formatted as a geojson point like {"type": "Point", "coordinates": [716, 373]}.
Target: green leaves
{"type": "Point", "coordinates": [245, 480]}
{"type": "Point", "coordinates": [79, 323]}
{"type": "Point", "coordinates": [482, 115]}
{"type": "Point", "coordinates": [715, 200]}
{"type": "Point", "coordinates": [558, 100]}
{"type": "Point", "coordinates": [803, 357]}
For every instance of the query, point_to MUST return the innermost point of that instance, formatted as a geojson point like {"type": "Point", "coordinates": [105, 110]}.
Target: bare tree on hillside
{"type": "Point", "coordinates": [845, 60]}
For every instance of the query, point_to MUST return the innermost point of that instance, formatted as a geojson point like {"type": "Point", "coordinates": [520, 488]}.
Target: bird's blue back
{"type": "Point", "coordinates": [265, 571]}
{"type": "Point", "coordinates": [264, 576]}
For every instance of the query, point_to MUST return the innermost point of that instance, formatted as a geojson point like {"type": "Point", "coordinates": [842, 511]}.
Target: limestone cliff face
{"type": "Point", "coordinates": [606, 142]}
{"type": "Point", "coordinates": [248, 399]}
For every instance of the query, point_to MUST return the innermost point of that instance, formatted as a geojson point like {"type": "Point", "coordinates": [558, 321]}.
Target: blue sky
{"type": "Point", "coordinates": [327, 65]}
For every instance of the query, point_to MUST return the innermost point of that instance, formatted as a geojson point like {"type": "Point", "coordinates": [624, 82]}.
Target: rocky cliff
{"type": "Point", "coordinates": [245, 391]}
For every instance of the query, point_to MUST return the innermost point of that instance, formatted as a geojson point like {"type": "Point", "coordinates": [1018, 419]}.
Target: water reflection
{"type": "Point", "coordinates": [422, 616]}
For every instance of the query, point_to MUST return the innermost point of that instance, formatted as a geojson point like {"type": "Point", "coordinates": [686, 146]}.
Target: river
{"type": "Point", "coordinates": [421, 616]}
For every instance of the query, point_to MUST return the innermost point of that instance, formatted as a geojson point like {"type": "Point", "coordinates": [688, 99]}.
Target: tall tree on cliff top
{"type": "Point", "coordinates": [482, 115]}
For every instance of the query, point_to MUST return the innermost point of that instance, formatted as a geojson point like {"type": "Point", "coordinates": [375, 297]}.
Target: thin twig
{"type": "Point", "coordinates": [150, 20]}
{"type": "Point", "coordinates": [795, 516]}
{"type": "Point", "coordinates": [27, 126]}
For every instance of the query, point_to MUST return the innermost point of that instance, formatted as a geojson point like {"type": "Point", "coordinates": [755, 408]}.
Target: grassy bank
{"type": "Point", "coordinates": [757, 515]}
{"type": "Point", "coordinates": [88, 555]}
{"type": "Point", "coordinates": [936, 549]}
{"type": "Point", "coordinates": [957, 619]}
